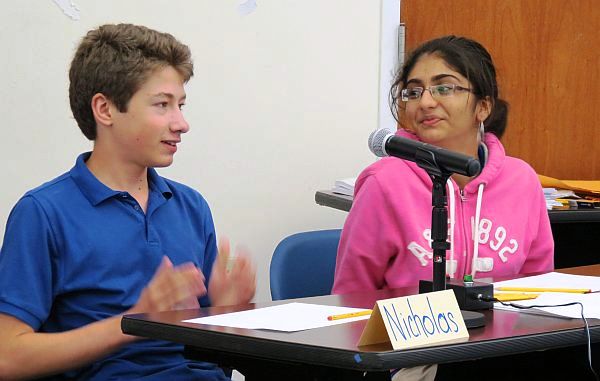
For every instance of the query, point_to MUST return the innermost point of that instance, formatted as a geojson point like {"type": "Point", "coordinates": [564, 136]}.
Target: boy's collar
{"type": "Point", "coordinates": [96, 192]}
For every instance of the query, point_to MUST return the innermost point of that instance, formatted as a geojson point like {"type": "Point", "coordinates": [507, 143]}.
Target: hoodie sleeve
{"type": "Point", "coordinates": [366, 242]}
{"type": "Point", "coordinates": [541, 252]}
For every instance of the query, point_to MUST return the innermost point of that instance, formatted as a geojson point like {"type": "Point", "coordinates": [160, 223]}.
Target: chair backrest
{"type": "Point", "coordinates": [303, 264]}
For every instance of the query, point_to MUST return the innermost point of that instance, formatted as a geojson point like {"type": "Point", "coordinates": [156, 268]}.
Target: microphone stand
{"type": "Point", "coordinates": [439, 231]}
{"type": "Point", "coordinates": [439, 215]}
{"type": "Point", "coordinates": [439, 227]}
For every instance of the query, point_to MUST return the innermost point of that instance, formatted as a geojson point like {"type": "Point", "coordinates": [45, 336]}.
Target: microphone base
{"type": "Point", "coordinates": [473, 319]}
{"type": "Point", "coordinates": [467, 293]}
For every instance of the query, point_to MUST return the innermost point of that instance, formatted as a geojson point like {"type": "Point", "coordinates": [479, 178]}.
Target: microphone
{"type": "Point", "coordinates": [386, 143]}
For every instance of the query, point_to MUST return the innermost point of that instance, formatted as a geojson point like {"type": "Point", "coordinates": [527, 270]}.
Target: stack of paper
{"type": "Point", "coordinates": [581, 187]}
{"type": "Point", "coordinates": [558, 198]}
{"type": "Point", "coordinates": [590, 301]}
{"type": "Point", "coordinates": [570, 193]}
{"type": "Point", "coordinates": [345, 186]}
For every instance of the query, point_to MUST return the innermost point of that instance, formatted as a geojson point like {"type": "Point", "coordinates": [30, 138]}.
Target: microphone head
{"type": "Point", "coordinates": [473, 167]}
{"type": "Point", "coordinates": [377, 141]}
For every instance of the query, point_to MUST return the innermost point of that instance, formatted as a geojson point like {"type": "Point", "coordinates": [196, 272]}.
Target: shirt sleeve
{"type": "Point", "coordinates": [210, 249]}
{"type": "Point", "coordinates": [27, 264]}
{"type": "Point", "coordinates": [541, 252]}
{"type": "Point", "coordinates": [366, 244]}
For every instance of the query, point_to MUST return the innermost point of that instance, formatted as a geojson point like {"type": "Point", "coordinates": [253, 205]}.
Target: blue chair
{"type": "Point", "coordinates": [303, 264]}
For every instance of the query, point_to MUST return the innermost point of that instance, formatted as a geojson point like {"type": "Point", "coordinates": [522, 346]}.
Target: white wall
{"type": "Point", "coordinates": [281, 104]}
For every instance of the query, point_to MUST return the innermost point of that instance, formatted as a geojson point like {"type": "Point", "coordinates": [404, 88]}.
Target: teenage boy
{"type": "Point", "coordinates": [111, 236]}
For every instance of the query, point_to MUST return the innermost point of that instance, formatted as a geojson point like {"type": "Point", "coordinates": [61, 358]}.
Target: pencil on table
{"type": "Point", "coordinates": [349, 315]}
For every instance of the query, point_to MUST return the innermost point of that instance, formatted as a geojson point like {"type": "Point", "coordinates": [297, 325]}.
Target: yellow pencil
{"type": "Point", "coordinates": [545, 289]}
{"type": "Point", "coordinates": [512, 296]}
{"type": "Point", "coordinates": [349, 315]}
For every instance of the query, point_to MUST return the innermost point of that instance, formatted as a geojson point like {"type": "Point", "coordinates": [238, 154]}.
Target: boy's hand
{"type": "Point", "coordinates": [233, 279]}
{"type": "Point", "coordinates": [172, 288]}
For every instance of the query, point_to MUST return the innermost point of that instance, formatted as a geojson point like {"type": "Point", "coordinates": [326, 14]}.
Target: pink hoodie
{"type": "Point", "coordinates": [386, 240]}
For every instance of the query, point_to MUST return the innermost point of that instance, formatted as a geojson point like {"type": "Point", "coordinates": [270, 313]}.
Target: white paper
{"type": "Point", "coordinates": [247, 7]}
{"type": "Point", "coordinates": [288, 317]}
{"type": "Point", "coordinates": [590, 301]}
{"type": "Point", "coordinates": [344, 186]}
{"type": "Point", "coordinates": [591, 304]}
{"type": "Point", "coordinates": [554, 280]}
{"type": "Point", "coordinates": [69, 8]}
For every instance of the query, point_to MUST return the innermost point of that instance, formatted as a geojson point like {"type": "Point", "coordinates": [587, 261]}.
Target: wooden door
{"type": "Point", "coordinates": [547, 54]}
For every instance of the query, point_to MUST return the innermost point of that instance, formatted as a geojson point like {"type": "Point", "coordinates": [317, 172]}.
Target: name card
{"type": "Point", "coordinates": [416, 321]}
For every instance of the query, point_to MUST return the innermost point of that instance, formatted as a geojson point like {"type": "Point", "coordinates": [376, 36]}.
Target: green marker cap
{"type": "Point", "coordinates": [468, 278]}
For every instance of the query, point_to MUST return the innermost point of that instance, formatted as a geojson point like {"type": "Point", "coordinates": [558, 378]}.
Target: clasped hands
{"type": "Point", "coordinates": [232, 281]}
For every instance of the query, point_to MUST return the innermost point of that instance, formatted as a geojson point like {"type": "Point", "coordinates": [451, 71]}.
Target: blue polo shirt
{"type": "Point", "coordinates": [76, 251]}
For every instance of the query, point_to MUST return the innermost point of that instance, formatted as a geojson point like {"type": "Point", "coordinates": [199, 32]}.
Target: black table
{"type": "Point", "coordinates": [330, 353]}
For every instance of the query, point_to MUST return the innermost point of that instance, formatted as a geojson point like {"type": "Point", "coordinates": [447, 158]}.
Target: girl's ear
{"type": "Point", "coordinates": [484, 108]}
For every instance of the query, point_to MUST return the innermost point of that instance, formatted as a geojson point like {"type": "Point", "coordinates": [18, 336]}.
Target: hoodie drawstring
{"type": "Point", "coordinates": [451, 269]}
{"type": "Point", "coordinates": [476, 230]}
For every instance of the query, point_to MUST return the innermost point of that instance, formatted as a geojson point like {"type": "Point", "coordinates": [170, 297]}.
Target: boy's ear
{"type": "Point", "coordinates": [101, 108]}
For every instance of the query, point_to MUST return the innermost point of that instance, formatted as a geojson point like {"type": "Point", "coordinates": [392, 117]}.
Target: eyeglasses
{"type": "Point", "coordinates": [437, 91]}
